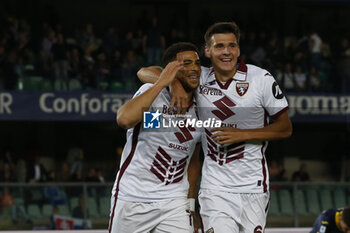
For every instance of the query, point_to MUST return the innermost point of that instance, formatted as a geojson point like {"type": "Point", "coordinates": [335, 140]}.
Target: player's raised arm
{"type": "Point", "coordinates": [179, 95]}
{"type": "Point", "coordinates": [149, 74]}
{"type": "Point", "coordinates": [280, 128]}
{"type": "Point", "coordinates": [130, 113]}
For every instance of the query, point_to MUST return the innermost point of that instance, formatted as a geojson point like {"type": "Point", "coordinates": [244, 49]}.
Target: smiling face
{"type": "Point", "coordinates": [223, 52]}
{"type": "Point", "coordinates": [189, 75]}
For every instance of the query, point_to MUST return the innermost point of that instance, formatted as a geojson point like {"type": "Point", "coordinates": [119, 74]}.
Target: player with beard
{"type": "Point", "coordinates": [158, 172]}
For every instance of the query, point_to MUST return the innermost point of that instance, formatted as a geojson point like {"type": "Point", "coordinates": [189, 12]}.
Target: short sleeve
{"type": "Point", "coordinates": [142, 89]}
{"type": "Point", "coordinates": [274, 101]}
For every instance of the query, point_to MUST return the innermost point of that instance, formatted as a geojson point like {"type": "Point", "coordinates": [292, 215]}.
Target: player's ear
{"type": "Point", "coordinates": [206, 51]}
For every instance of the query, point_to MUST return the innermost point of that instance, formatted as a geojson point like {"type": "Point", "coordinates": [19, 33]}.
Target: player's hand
{"type": "Point", "coordinates": [169, 73]}
{"type": "Point", "coordinates": [224, 135]}
{"type": "Point", "coordinates": [179, 97]}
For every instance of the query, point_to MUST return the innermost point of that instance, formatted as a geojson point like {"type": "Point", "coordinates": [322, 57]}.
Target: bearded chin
{"type": "Point", "coordinates": [187, 87]}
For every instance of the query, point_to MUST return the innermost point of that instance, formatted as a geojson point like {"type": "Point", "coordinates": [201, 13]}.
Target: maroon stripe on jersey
{"type": "Point", "coordinates": [234, 158]}
{"type": "Point", "coordinates": [181, 166]}
{"type": "Point", "coordinates": [208, 132]}
{"type": "Point", "coordinates": [159, 167]}
{"type": "Point", "coordinates": [235, 151]}
{"type": "Point", "coordinates": [233, 145]}
{"type": "Point", "coordinates": [226, 85]}
{"type": "Point", "coordinates": [178, 179]}
{"type": "Point", "coordinates": [164, 153]}
{"type": "Point", "coordinates": [263, 162]}
{"type": "Point", "coordinates": [279, 113]}
{"type": "Point", "coordinates": [211, 141]}
{"type": "Point", "coordinates": [160, 159]}
{"type": "Point", "coordinates": [155, 172]}
{"type": "Point", "coordinates": [126, 163]}
{"type": "Point", "coordinates": [265, 119]}
{"type": "Point", "coordinates": [212, 150]}
{"type": "Point", "coordinates": [179, 172]}
{"type": "Point", "coordinates": [212, 157]}
{"type": "Point", "coordinates": [183, 160]}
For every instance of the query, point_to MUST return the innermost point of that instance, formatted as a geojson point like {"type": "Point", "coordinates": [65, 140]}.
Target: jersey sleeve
{"type": "Point", "coordinates": [142, 89]}
{"type": "Point", "coordinates": [273, 100]}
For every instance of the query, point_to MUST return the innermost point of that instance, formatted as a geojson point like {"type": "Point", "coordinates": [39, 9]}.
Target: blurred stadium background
{"type": "Point", "coordinates": [66, 67]}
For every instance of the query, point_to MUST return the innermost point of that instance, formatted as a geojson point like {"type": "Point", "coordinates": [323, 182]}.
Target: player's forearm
{"type": "Point", "coordinates": [193, 172]}
{"type": "Point", "coordinates": [149, 74]}
{"type": "Point", "coordinates": [131, 112]}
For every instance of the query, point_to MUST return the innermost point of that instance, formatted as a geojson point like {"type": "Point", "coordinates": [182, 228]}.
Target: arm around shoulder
{"type": "Point", "coordinates": [149, 74]}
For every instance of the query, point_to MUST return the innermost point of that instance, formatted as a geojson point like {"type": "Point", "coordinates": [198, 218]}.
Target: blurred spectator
{"type": "Point", "coordinates": [7, 201]}
{"type": "Point", "coordinates": [300, 79]}
{"type": "Point", "coordinates": [110, 40]}
{"type": "Point", "coordinates": [99, 175]}
{"type": "Point", "coordinates": [60, 54]}
{"type": "Point", "coordinates": [7, 174]}
{"type": "Point", "coordinates": [277, 172]}
{"type": "Point", "coordinates": [79, 211]}
{"type": "Point", "coordinates": [302, 174]}
{"type": "Point", "coordinates": [48, 41]}
{"type": "Point", "coordinates": [129, 69]}
{"type": "Point", "coordinates": [103, 71]}
{"type": "Point", "coordinates": [52, 193]}
{"type": "Point", "coordinates": [75, 159]}
{"type": "Point", "coordinates": [116, 66]}
{"type": "Point", "coordinates": [315, 80]}
{"type": "Point", "coordinates": [89, 77]}
{"type": "Point", "coordinates": [36, 171]}
{"type": "Point", "coordinates": [74, 63]}
{"type": "Point", "coordinates": [315, 49]}
{"type": "Point", "coordinates": [88, 39]}
{"type": "Point", "coordinates": [64, 173]}
{"type": "Point", "coordinates": [153, 43]}
{"type": "Point", "coordinates": [286, 78]}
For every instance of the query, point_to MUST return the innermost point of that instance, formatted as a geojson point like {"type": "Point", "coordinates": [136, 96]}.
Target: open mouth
{"type": "Point", "coordinates": [226, 60]}
{"type": "Point", "coordinates": [194, 77]}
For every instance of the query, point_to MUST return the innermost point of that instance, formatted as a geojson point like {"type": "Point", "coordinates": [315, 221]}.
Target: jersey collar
{"type": "Point", "coordinates": [241, 73]}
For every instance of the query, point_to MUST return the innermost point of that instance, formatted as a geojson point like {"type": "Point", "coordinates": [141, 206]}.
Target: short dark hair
{"type": "Point", "coordinates": [346, 216]}
{"type": "Point", "coordinates": [171, 52]}
{"type": "Point", "coordinates": [221, 27]}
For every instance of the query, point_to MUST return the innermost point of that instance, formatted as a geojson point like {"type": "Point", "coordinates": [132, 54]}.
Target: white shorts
{"type": "Point", "coordinates": [233, 212]}
{"type": "Point", "coordinates": [163, 216]}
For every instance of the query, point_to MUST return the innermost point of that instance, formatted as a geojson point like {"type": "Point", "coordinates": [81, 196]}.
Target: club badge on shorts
{"type": "Point", "coordinates": [242, 88]}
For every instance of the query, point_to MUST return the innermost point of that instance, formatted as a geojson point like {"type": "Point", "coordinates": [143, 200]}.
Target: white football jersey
{"type": "Point", "coordinates": [154, 161]}
{"type": "Point", "coordinates": [246, 102]}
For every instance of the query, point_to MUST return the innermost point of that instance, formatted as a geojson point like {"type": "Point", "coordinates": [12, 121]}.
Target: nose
{"type": "Point", "coordinates": [226, 50]}
{"type": "Point", "coordinates": [195, 67]}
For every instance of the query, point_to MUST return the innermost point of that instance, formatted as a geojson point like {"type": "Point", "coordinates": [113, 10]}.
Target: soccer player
{"type": "Point", "coordinates": [333, 221]}
{"type": "Point", "coordinates": [152, 187]}
{"type": "Point", "coordinates": [234, 193]}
